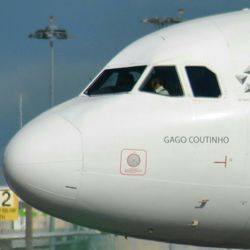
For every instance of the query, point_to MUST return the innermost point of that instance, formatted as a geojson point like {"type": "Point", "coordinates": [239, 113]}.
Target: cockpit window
{"type": "Point", "coordinates": [115, 81]}
{"type": "Point", "coordinates": [203, 82]}
{"type": "Point", "coordinates": [163, 80]}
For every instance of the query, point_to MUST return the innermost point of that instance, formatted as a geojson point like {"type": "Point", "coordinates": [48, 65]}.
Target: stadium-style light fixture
{"type": "Point", "coordinates": [50, 33]}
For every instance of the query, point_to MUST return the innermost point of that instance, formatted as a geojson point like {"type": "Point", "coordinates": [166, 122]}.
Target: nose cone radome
{"type": "Point", "coordinates": [44, 159]}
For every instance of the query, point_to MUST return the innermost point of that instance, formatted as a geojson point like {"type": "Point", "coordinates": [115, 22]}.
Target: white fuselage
{"type": "Point", "coordinates": [167, 168]}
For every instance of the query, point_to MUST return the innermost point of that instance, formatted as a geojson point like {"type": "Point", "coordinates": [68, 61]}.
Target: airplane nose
{"type": "Point", "coordinates": [45, 159]}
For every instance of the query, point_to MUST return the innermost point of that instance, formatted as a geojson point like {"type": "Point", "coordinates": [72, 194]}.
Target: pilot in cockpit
{"type": "Point", "coordinates": [158, 86]}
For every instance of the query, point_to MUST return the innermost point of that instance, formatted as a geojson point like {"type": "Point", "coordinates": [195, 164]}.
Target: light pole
{"type": "Point", "coordinates": [50, 33]}
{"type": "Point", "coordinates": [28, 208]}
{"type": "Point", "coordinates": [161, 22]}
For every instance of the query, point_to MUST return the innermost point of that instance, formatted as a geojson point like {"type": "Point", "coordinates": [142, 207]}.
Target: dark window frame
{"type": "Point", "coordinates": [203, 81]}
{"type": "Point", "coordinates": [101, 85]}
{"type": "Point", "coordinates": [174, 89]}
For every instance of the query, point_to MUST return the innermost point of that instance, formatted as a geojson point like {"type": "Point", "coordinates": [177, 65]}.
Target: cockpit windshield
{"type": "Point", "coordinates": [115, 81]}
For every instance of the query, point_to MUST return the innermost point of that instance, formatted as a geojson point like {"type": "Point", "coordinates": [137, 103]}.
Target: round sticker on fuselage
{"type": "Point", "coordinates": [134, 160]}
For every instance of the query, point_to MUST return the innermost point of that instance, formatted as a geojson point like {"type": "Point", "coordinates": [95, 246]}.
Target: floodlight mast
{"type": "Point", "coordinates": [50, 33]}
{"type": "Point", "coordinates": [161, 22]}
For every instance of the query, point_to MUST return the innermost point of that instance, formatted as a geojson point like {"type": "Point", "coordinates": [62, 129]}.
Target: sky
{"type": "Point", "coordinates": [98, 30]}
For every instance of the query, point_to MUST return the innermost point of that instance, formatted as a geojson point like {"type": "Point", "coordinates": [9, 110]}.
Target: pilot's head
{"type": "Point", "coordinates": [156, 83]}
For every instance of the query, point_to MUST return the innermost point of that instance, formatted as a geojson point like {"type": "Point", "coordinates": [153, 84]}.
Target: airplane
{"type": "Point", "coordinates": [127, 158]}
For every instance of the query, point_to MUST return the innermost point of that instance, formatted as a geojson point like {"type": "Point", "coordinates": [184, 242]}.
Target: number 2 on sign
{"type": "Point", "coordinates": [5, 198]}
